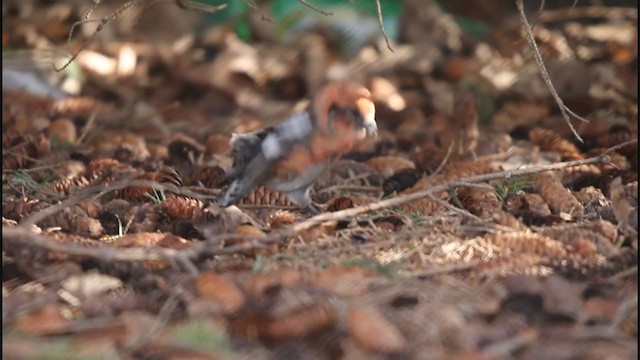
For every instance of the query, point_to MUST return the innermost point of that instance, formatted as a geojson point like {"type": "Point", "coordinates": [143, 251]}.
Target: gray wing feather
{"type": "Point", "coordinates": [256, 154]}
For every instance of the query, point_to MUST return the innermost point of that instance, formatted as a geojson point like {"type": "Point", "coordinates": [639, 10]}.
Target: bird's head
{"type": "Point", "coordinates": [345, 106]}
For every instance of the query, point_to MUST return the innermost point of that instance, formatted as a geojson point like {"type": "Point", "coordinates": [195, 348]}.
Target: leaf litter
{"type": "Point", "coordinates": [114, 247]}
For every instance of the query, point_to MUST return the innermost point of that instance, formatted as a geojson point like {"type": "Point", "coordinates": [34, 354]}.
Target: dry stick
{"type": "Point", "coordinates": [183, 4]}
{"type": "Point", "coordinates": [619, 146]}
{"type": "Point", "coordinates": [90, 10]}
{"type": "Point", "coordinates": [102, 22]}
{"type": "Point", "coordinates": [315, 8]}
{"type": "Point", "coordinates": [564, 110]}
{"type": "Point", "coordinates": [399, 200]}
{"type": "Point", "coordinates": [381, 23]}
{"type": "Point", "coordinates": [89, 125]}
{"type": "Point", "coordinates": [24, 234]}
{"type": "Point", "coordinates": [457, 210]}
{"type": "Point", "coordinates": [256, 8]}
{"type": "Point", "coordinates": [101, 189]}
{"type": "Point", "coordinates": [21, 234]}
{"type": "Point", "coordinates": [160, 322]}
{"type": "Point", "coordinates": [444, 161]}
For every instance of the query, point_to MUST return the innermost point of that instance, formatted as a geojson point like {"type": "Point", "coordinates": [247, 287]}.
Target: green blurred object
{"type": "Point", "coordinates": [291, 15]}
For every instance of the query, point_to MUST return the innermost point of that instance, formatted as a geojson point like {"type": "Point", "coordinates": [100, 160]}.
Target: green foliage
{"type": "Point", "coordinates": [158, 195]}
{"type": "Point", "coordinates": [201, 335]}
{"type": "Point", "coordinates": [59, 144]}
{"type": "Point", "coordinates": [23, 179]}
{"type": "Point", "coordinates": [512, 186]}
{"type": "Point", "coordinates": [371, 265]}
{"type": "Point", "coordinates": [286, 13]}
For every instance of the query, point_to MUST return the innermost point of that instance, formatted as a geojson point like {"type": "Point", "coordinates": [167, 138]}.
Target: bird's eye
{"type": "Point", "coordinates": [334, 109]}
{"type": "Point", "coordinates": [350, 113]}
{"type": "Point", "coordinates": [353, 114]}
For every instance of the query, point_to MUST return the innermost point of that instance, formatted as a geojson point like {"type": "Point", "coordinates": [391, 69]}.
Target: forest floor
{"type": "Point", "coordinates": [477, 225]}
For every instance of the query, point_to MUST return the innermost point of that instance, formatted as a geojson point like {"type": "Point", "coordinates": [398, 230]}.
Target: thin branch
{"type": "Point", "coordinates": [102, 22]}
{"type": "Point", "coordinates": [444, 161]}
{"type": "Point", "coordinates": [619, 146]}
{"type": "Point", "coordinates": [183, 4]}
{"type": "Point", "coordinates": [315, 8]}
{"type": "Point", "coordinates": [399, 200]}
{"type": "Point", "coordinates": [381, 23]}
{"type": "Point", "coordinates": [24, 234]}
{"type": "Point", "coordinates": [564, 110]}
{"type": "Point", "coordinates": [21, 234]}
{"type": "Point", "coordinates": [457, 210]}
{"type": "Point", "coordinates": [256, 8]}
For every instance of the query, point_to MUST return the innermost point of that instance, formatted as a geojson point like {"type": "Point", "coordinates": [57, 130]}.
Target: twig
{"type": "Point", "coordinates": [315, 8]}
{"type": "Point", "coordinates": [101, 189]}
{"type": "Point", "coordinates": [89, 11]}
{"type": "Point", "coordinates": [102, 22]}
{"type": "Point", "coordinates": [458, 210]}
{"type": "Point", "coordinates": [444, 161]}
{"type": "Point", "coordinates": [381, 23]}
{"type": "Point", "coordinates": [399, 200]}
{"type": "Point", "coordinates": [160, 322]}
{"type": "Point", "coordinates": [619, 146]}
{"type": "Point", "coordinates": [21, 234]}
{"type": "Point", "coordinates": [564, 110]}
{"type": "Point", "coordinates": [503, 348]}
{"type": "Point", "coordinates": [256, 8]}
{"type": "Point", "coordinates": [90, 122]}
{"type": "Point", "coordinates": [624, 274]}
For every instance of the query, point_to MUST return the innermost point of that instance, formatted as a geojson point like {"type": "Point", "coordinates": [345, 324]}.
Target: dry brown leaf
{"type": "Point", "coordinates": [220, 290]}
{"type": "Point", "coordinates": [258, 284]}
{"type": "Point", "coordinates": [218, 144]}
{"type": "Point", "coordinates": [300, 322]}
{"type": "Point", "coordinates": [64, 130]}
{"type": "Point", "coordinates": [372, 332]}
{"type": "Point", "coordinates": [389, 165]}
{"type": "Point", "coordinates": [343, 281]}
{"type": "Point", "coordinates": [45, 321]}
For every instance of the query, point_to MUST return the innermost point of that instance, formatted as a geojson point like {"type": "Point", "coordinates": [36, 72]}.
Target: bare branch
{"type": "Point", "coordinates": [183, 4]}
{"type": "Point", "coordinates": [102, 22]}
{"type": "Point", "coordinates": [381, 22]}
{"type": "Point", "coordinates": [315, 8]}
{"type": "Point", "coordinates": [445, 160]}
{"type": "Point", "coordinates": [399, 200]}
{"type": "Point", "coordinates": [564, 110]}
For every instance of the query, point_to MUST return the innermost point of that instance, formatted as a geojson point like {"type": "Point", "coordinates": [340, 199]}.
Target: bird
{"type": "Point", "coordinates": [289, 156]}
